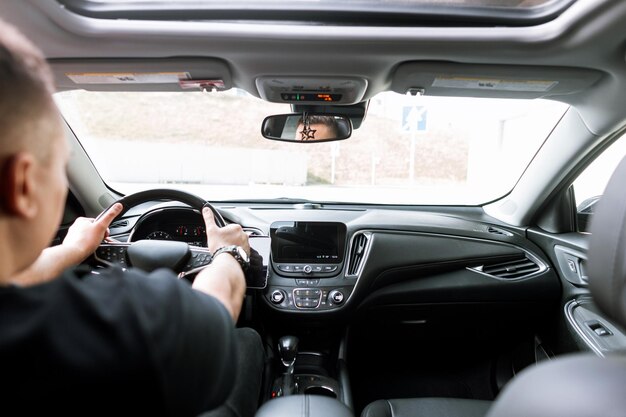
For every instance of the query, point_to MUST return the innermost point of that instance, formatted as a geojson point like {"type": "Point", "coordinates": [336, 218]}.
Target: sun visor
{"type": "Point", "coordinates": [141, 74]}
{"type": "Point", "coordinates": [497, 81]}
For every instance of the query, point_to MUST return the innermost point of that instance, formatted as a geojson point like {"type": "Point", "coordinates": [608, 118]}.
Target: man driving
{"type": "Point", "coordinates": [114, 343]}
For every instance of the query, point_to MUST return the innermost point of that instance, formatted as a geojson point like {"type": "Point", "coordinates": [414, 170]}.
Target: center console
{"type": "Point", "coordinates": [304, 405]}
{"type": "Point", "coordinates": [307, 380]}
{"type": "Point", "coordinates": [313, 268]}
{"type": "Point", "coordinates": [308, 266]}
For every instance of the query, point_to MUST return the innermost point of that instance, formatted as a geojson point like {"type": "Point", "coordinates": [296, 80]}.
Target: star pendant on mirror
{"type": "Point", "coordinates": [308, 133]}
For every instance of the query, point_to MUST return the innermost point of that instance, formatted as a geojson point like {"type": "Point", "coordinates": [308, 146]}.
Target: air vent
{"type": "Point", "coordinates": [357, 253]}
{"type": "Point", "coordinates": [519, 268]}
{"type": "Point", "coordinates": [119, 223]}
{"type": "Point", "coordinates": [497, 231]}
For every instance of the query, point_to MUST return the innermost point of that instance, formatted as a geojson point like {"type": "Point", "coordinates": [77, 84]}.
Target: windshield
{"type": "Point", "coordinates": [408, 150]}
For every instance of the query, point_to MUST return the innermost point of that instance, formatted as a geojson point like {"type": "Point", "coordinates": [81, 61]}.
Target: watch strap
{"type": "Point", "coordinates": [233, 250]}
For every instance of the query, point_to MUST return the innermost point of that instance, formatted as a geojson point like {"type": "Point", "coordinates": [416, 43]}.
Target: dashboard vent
{"type": "Point", "coordinates": [512, 269]}
{"type": "Point", "coordinates": [357, 253]}
{"type": "Point", "coordinates": [119, 223]}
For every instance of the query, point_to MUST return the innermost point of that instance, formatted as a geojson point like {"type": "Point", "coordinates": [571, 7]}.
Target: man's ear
{"type": "Point", "coordinates": [17, 186]}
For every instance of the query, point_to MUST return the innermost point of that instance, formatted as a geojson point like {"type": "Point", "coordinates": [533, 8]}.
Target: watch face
{"type": "Point", "coordinates": [242, 253]}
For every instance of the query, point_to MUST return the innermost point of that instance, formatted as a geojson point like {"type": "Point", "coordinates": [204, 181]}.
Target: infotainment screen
{"type": "Point", "coordinates": [308, 242]}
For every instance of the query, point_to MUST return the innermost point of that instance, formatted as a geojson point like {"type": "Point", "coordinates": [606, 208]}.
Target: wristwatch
{"type": "Point", "coordinates": [238, 253]}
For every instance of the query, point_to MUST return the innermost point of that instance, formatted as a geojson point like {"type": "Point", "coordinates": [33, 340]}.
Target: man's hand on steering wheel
{"type": "Point", "coordinates": [224, 278]}
{"type": "Point", "coordinates": [85, 235]}
{"type": "Point", "coordinates": [151, 254]}
{"type": "Point", "coordinates": [83, 238]}
{"type": "Point", "coordinates": [218, 237]}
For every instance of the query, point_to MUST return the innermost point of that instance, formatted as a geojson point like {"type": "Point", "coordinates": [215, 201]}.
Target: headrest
{"type": "Point", "coordinates": [607, 251]}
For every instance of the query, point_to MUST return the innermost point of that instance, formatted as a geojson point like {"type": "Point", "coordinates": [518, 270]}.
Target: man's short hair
{"type": "Point", "coordinates": [26, 85]}
{"type": "Point", "coordinates": [318, 119]}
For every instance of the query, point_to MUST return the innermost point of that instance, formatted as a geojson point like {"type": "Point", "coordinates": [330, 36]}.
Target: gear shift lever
{"type": "Point", "coordinates": [288, 350]}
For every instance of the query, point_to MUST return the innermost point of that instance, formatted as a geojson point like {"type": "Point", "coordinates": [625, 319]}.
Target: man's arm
{"type": "Point", "coordinates": [223, 279]}
{"type": "Point", "coordinates": [82, 239]}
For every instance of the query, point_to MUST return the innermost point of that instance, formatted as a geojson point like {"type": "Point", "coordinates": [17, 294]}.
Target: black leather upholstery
{"type": "Point", "coordinates": [427, 407]}
{"type": "Point", "coordinates": [607, 251]}
{"type": "Point", "coordinates": [576, 386]}
{"type": "Point", "coordinates": [304, 406]}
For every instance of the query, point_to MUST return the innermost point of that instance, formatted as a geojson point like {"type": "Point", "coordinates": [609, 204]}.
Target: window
{"type": "Point", "coordinates": [408, 150]}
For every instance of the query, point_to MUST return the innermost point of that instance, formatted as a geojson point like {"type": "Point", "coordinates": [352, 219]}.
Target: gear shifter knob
{"type": "Point", "coordinates": [288, 349]}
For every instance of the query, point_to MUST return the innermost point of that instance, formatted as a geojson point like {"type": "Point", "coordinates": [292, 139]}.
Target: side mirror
{"type": "Point", "coordinates": [585, 211]}
{"type": "Point", "coordinates": [306, 127]}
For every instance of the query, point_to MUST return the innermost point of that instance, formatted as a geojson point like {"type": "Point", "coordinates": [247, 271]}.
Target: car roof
{"type": "Point", "coordinates": [577, 57]}
{"type": "Point", "coordinates": [581, 51]}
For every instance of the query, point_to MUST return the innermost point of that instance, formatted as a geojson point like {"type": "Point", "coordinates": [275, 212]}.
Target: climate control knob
{"type": "Point", "coordinates": [277, 296]}
{"type": "Point", "coordinates": [336, 296]}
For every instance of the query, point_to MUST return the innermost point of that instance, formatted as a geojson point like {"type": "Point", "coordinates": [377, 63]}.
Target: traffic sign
{"type": "Point", "coordinates": [414, 118]}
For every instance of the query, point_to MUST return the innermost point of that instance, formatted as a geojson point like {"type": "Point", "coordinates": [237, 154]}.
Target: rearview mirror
{"type": "Point", "coordinates": [306, 127]}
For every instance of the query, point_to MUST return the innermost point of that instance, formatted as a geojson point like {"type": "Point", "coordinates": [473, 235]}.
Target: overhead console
{"type": "Point", "coordinates": [315, 90]}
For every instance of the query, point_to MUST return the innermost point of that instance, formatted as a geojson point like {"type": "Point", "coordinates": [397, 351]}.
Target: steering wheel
{"type": "Point", "coordinates": [153, 254]}
{"type": "Point", "coordinates": [141, 197]}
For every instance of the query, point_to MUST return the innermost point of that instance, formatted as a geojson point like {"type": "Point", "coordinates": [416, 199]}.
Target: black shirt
{"type": "Point", "coordinates": [118, 343]}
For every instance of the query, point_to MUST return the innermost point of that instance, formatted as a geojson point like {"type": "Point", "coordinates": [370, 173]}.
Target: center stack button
{"type": "Point", "coordinates": [336, 296]}
{"type": "Point", "coordinates": [307, 297]}
{"type": "Point", "coordinates": [307, 269]}
{"type": "Point", "coordinates": [278, 296]}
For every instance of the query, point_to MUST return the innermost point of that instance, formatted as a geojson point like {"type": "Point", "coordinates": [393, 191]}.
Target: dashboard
{"type": "Point", "coordinates": [335, 260]}
{"type": "Point", "coordinates": [179, 224]}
